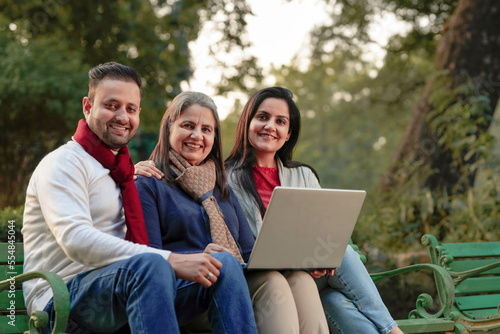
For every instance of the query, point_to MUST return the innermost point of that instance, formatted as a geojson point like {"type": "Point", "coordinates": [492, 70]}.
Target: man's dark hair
{"type": "Point", "coordinates": [113, 71]}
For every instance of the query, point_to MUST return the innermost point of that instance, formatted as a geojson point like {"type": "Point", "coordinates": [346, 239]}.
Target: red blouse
{"type": "Point", "coordinates": [266, 179]}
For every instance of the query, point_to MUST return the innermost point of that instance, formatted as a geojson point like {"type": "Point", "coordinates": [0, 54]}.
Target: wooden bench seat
{"type": "Point", "coordinates": [13, 315]}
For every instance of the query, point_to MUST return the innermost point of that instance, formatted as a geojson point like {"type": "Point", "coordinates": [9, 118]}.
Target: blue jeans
{"type": "Point", "coordinates": [144, 292]}
{"type": "Point", "coordinates": [351, 300]}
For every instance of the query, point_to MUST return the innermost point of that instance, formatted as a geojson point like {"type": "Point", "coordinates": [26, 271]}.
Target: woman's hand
{"type": "Point", "coordinates": [320, 273]}
{"type": "Point", "coordinates": [147, 168]}
{"type": "Point", "coordinates": [214, 248]}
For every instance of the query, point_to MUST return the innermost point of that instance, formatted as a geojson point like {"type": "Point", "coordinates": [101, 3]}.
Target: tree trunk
{"type": "Point", "coordinates": [469, 50]}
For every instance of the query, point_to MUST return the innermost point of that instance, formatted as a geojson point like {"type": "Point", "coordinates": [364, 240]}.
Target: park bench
{"type": "Point", "coordinates": [421, 320]}
{"type": "Point", "coordinates": [13, 314]}
{"type": "Point", "coordinates": [475, 269]}
{"type": "Point", "coordinates": [467, 278]}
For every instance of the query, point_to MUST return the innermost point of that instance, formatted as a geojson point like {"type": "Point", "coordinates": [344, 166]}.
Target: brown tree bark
{"type": "Point", "coordinates": [469, 50]}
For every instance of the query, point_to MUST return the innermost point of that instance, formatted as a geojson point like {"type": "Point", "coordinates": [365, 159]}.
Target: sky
{"type": "Point", "coordinates": [278, 31]}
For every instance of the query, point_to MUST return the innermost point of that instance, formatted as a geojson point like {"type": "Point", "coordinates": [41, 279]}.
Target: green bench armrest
{"type": "Point", "coordinates": [475, 269]}
{"type": "Point", "coordinates": [445, 288]}
{"type": "Point", "coordinates": [39, 319]}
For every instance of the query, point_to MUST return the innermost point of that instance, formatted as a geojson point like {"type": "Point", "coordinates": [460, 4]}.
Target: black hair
{"type": "Point", "coordinates": [243, 156]}
{"type": "Point", "coordinates": [113, 71]}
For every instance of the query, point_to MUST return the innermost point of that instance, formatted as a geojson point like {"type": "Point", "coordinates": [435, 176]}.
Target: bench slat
{"type": "Point", "coordinates": [5, 300]}
{"type": "Point", "coordinates": [478, 302]}
{"type": "Point", "coordinates": [18, 252]}
{"type": "Point", "coordinates": [425, 325]}
{"type": "Point", "coordinates": [7, 272]}
{"type": "Point", "coordinates": [477, 298]}
{"type": "Point", "coordinates": [473, 249]}
{"type": "Point", "coordinates": [478, 314]}
{"type": "Point", "coordinates": [20, 324]}
{"type": "Point", "coordinates": [464, 265]}
{"type": "Point", "coordinates": [479, 285]}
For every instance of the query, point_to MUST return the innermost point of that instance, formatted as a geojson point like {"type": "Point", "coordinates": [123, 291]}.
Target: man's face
{"type": "Point", "coordinates": [114, 114]}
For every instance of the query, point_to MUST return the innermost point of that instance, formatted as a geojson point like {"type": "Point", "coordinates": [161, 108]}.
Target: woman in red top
{"type": "Point", "coordinates": [260, 160]}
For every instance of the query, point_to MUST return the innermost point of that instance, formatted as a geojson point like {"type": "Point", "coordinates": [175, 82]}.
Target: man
{"type": "Point", "coordinates": [82, 211]}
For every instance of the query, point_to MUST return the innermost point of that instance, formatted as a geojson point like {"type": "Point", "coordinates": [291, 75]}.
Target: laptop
{"type": "Point", "coordinates": [306, 228]}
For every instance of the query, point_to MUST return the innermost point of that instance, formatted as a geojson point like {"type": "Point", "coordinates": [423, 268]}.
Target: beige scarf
{"type": "Point", "coordinates": [199, 182]}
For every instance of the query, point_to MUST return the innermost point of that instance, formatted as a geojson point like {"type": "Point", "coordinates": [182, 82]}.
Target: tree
{"type": "Point", "coordinates": [47, 47]}
{"type": "Point", "coordinates": [447, 140]}
{"type": "Point", "coordinates": [443, 65]}
{"type": "Point", "coordinates": [468, 63]}
{"type": "Point", "coordinates": [353, 111]}
{"type": "Point", "coordinates": [38, 108]}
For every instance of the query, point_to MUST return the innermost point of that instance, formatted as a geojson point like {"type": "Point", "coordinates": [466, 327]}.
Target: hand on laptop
{"type": "Point", "coordinates": [319, 273]}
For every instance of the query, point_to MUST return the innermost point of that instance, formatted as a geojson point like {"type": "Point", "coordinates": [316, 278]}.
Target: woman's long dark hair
{"type": "Point", "coordinates": [243, 155]}
{"type": "Point", "coordinates": [160, 153]}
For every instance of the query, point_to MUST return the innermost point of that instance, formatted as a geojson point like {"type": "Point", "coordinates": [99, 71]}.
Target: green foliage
{"type": "Point", "coordinates": [229, 125]}
{"type": "Point", "coordinates": [400, 222]}
{"type": "Point", "coordinates": [355, 114]}
{"type": "Point", "coordinates": [35, 90]}
{"type": "Point", "coordinates": [38, 85]}
{"type": "Point", "coordinates": [11, 219]}
{"type": "Point", "coordinates": [353, 121]}
{"type": "Point", "coordinates": [47, 48]}
{"type": "Point", "coordinates": [151, 36]}
{"type": "Point", "coordinates": [467, 212]}
{"type": "Point", "coordinates": [461, 119]}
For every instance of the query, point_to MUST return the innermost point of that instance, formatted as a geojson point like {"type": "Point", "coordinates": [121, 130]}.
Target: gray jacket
{"type": "Point", "coordinates": [301, 177]}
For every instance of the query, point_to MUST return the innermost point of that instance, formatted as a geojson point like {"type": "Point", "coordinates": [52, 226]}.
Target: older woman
{"type": "Point", "coordinates": [189, 208]}
{"type": "Point", "coordinates": [174, 211]}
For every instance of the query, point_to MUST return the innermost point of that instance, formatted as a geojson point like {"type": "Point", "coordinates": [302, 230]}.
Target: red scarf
{"type": "Point", "coordinates": [121, 169]}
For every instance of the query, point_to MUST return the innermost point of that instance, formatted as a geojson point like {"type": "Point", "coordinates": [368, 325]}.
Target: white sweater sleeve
{"type": "Point", "coordinates": [65, 202]}
{"type": "Point", "coordinates": [73, 221]}
{"type": "Point", "coordinates": [81, 206]}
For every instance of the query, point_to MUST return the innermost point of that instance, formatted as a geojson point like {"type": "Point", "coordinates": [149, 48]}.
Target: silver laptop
{"type": "Point", "coordinates": [306, 228]}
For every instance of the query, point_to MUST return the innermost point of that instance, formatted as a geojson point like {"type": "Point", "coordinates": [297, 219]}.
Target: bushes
{"type": "Point", "coordinates": [396, 223]}
{"type": "Point", "coordinates": [11, 219]}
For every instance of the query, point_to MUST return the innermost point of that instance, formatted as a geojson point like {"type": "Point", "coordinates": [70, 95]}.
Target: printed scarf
{"type": "Point", "coordinates": [121, 169]}
{"type": "Point", "coordinates": [199, 183]}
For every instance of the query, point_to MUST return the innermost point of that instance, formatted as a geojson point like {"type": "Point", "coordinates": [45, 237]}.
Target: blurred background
{"type": "Point", "coordinates": [397, 97]}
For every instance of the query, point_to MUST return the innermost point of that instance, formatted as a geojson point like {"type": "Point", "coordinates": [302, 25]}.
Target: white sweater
{"type": "Point", "coordinates": [73, 220]}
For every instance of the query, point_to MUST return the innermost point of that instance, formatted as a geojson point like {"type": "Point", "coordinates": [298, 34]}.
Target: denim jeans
{"type": "Point", "coordinates": [144, 292]}
{"type": "Point", "coordinates": [351, 300]}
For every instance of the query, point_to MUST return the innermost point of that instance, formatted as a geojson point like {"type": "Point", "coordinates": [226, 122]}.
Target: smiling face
{"type": "Point", "coordinates": [192, 134]}
{"type": "Point", "coordinates": [113, 115]}
{"type": "Point", "coordinates": [269, 130]}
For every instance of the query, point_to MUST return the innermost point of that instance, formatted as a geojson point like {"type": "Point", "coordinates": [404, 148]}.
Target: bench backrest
{"type": "Point", "coordinates": [13, 315]}
{"type": "Point", "coordinates": [475, 268]}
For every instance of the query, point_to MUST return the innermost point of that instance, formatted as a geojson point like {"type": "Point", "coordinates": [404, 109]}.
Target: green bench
{"type": "Point", "coordinates": [420, 320]}
{"type": "Point", "coordinates": [13, 314]}
{"type": "Point", "coordinates": [475, 269]}
{"type": "Point", "coordinates": [467, 278]}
